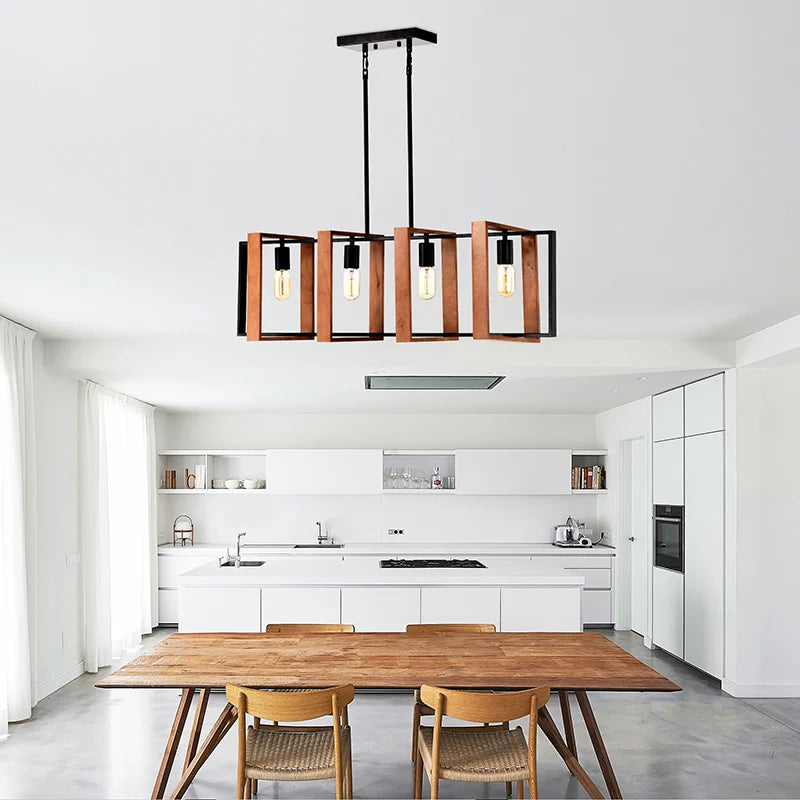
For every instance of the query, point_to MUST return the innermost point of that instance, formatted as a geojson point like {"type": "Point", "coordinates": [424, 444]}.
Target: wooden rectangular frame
{"type": "Point", "coordinates": [531, 311]}
{"type": "Point", "coordinates": [404, 331]}
{"type": "Point", "coordinates": [255, 287]}
{"type": "Point", "coordinates": [325, 332]}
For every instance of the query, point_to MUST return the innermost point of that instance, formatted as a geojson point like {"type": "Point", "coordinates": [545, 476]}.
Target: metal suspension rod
{"type": "Point", "coordinates": [365, 92]}
{"type": "Point", "coordinates": [410, 137]}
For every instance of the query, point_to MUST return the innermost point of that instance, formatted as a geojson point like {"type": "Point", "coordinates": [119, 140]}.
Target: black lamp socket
{"type": "Point", "coordinates": [505, 251]}
{"type": "Point", "coordinates": [352, 254]}
{"type": "Point", "coordinates": [282, 261]}
{"type": "Point", "coordinates": [427, 255]}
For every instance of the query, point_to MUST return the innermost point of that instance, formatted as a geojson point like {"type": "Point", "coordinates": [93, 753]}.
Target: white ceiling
{"type": "Point", "coordinates": [147, 138]}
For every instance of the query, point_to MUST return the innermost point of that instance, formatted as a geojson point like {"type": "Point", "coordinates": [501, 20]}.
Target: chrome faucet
{"type": "Point", "coordinates": [239, 547]}
{"type": "Point", "coordinates": [322, 539]}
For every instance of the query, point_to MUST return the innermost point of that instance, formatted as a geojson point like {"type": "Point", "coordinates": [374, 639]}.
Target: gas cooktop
{"type": "Point", "coordinates": [431, 563]}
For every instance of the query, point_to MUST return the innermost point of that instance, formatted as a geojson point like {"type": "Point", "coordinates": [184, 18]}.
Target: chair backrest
{"type": "Point", "coordinates": [452, 627]}
{"type": "Point", "coordinates": [484, 706]}
{"type": "Point", "coordinates": [290, 706]}
{"type": "Point", "coordinates": [308, 627]}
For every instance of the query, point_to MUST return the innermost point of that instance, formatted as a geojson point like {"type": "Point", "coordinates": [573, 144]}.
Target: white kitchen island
{"type": "Point", "coordinates": [228, 599]}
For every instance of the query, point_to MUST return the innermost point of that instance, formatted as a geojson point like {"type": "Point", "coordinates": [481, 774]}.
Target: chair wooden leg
{"type": "Point", "coordinates": [549, 729]}
{"type": "Point", "coordinates": [434, 789]}
{"type": "Point", "coordinates": [248, 788]}
{"type": "Point", "coordinates": [415, 727]}
{"type": "Point", "coordinates": [418, 778]}
{"type": "Point", "coordinates": [348, 778]}
{"type": "Point", "coordinates": [533, 789]}
{"type": "Point", "coordinates": [508, 788]}
{"type": "Point", "coordinates": [520, 790]}
{"type": "Point", "coordinates": [599, 745]}
{"type": "Point", "coordinates": [255, 787]}
{"type": "Point", "coordinates": [184, 704]}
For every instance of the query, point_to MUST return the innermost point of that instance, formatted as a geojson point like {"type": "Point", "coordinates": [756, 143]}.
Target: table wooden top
{"type": "Point", "coordinates": [587, 661]}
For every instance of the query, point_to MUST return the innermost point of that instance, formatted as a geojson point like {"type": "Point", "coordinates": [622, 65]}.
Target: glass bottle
{"type": "Point", "coordinates": [436, 479]}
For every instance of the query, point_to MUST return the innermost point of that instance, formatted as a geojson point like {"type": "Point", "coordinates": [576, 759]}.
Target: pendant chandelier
{"type": "Point", "coordinates": [436, 257]}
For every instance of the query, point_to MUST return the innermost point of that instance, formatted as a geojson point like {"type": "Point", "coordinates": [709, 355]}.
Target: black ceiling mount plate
{"type": "Point", "coordinates": [385, 40]}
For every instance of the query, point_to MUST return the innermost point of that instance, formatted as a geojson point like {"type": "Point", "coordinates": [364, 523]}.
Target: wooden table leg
{"type": "Point", "coordinates": [549, 729]}
{"type": "Point", "coordinates": [197, 727]}
{"type": "Point", "coordinates": [215, 735]}
{"type": "Point", "coordinates": [566, 716]}
{"type": "Point", "coordinates": [599, 746]}
{"type": "Point", "coordinates": [184, 704]}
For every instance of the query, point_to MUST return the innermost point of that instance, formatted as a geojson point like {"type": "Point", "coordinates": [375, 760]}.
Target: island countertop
{"type": "Point", "coordinates": [283, 572]}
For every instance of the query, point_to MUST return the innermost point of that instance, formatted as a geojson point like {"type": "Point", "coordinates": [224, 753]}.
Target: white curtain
{"type": "Point", "coordinates": [117, 487]}
{"type": "Point", "coordinates": [17, 525]}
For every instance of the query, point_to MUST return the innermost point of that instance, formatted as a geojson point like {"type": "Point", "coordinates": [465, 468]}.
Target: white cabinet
{"type": "Point", "coordinates": [205, 609]}
{"type": "Point", "coordinates": [324, 471]}
{"type": "Point", "coordinates": [668, 610]}
{"type": "Point", "coordinates": [170, 567]}
{"type": "Point", "coordinates": [460, 604]}
{"type": "Point", "coordinates": [294, 604]}
{"type": "Point", "coordinates": [704, 524]}
{"type": "Point", "coordinates": [668, 473]}
{"type": "Point", "coordinates": [381, 608]}
{"type": "Point", "coordinates": [668, 415]}
{"type": "Point", "coordinates": [597, 608]}
{"type": "Point", "coordinates": [544, 608]}
{"type": "Point", "coordinates": [704, 403]}
{"type": "Point", "coordinates": [167, 606]}
{"type": "Point", "coordinates": [513, 471]}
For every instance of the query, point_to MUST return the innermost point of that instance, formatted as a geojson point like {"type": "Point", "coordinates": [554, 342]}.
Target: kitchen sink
{"type": "Point", "coordinates": [243, 564]}
{"type": "Point", "coordinates": [318, 546]}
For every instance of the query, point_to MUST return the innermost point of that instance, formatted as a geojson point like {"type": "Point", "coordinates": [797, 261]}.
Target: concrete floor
{"type": "Point", "coordinates": [84, 742]}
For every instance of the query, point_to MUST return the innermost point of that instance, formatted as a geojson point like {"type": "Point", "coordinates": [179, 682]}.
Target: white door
{"type": "Point", "coordinates": [639, 533]}
{"type": "Point", "coordinates": [705, 406]}
{"type": "Point", "coordinates": [704, 525]}
{"type": "Point", "coordinates": [668, 415]}
{"type": "Point", "coordinates": [325, 471]}
{"type": "Point", "coordinates": [668, 610]}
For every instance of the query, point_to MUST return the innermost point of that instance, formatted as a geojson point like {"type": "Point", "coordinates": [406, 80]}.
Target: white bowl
{"type": "Point", "coordinates": [232, 483]}
{"type": "Point", "coordinates": [217, 484]}
{"type": "Point", "coordinates": [248, 484]}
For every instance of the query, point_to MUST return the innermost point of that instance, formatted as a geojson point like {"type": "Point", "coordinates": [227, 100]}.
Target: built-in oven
{"type": "Point", "coordinates": [668, 530]}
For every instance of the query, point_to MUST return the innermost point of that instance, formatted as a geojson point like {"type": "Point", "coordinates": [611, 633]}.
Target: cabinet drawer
{"type": "Point", "coordinates": [170, 567]}
{"type": "Point", "coordinates": [204, 609]}
{"type": "Point", "coordinates": [461, 604]}
{"type": "Point", "coordinates": [579, 562]}
{"type": "Point", "coordinates": [543, 608]}
{"type": "Point", "coordinates": [380, 609]}
{"type": "Point", "coordinates": [167, 606]}
{"type": "Point", "coordinates": [597, 607]}
{"type": "Point", "coordinates": [595, 578]}
{"type": "Point", "coordinates": [308, 604]}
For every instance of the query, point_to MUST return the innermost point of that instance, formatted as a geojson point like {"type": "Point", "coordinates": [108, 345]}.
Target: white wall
{"type": "Point", "coordinates": [631, 421]}
{"type": "Point", "coordinates": [59, 638]}
{"type": "Point", "coordinates": [367, 518]}
{"type": "Point", "coordinates": [764, 656]}
{"type": "Point", "coordinates": [383, 431]}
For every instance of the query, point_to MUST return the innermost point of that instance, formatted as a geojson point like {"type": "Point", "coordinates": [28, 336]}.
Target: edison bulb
{"type": "Point", "coordinates": [506, 282]}
{"type": "Point", "coordinates": [352, 284]}
{"type": "Point", "coordinates": [283, 284]}
{"type": "Point", "coordinates": [426, 282]}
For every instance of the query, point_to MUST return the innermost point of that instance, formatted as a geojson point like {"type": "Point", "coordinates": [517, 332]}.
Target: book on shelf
{"type": "Point", "coordinates": [589, 477]}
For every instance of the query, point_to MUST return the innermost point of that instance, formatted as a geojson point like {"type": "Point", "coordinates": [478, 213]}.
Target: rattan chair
{"type": "Point", "coordinates": [488, 754]}
{"type": "Point", "coordinates": [293, 753]}
{"type": "Point", "coordinates": [420, 709]}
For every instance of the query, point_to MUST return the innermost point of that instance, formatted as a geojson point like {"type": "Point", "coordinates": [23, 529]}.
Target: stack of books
{"type": "Point", "coordinates": [589, 477]}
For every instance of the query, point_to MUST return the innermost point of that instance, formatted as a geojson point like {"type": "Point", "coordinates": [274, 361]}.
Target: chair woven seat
{"type": "Point", "coordinates": [278, 754]}
{"type": "Point", "coordinates": [477, 754]}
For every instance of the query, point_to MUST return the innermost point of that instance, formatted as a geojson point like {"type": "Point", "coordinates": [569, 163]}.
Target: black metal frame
{"type": "Point", "coordinates": [368, 380]}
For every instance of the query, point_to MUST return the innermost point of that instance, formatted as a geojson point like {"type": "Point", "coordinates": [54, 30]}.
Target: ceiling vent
{"type": "Point", "coordinates": [432, 382]}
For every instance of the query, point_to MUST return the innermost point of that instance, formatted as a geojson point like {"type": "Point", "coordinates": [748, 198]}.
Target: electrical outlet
{"type": "Point", "coordinates": [396, 531]}
{"type": "Point", "coordinates": [73, 559]}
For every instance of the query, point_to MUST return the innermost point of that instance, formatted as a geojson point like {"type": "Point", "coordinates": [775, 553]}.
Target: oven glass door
{"type": "Point", "coordinates": [669, 543]}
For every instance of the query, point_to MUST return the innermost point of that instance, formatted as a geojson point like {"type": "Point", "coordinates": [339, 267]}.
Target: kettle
{"type": "Point", "coordinates": [570, 534]}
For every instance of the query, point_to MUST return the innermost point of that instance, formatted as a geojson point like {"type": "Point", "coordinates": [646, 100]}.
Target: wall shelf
{"type": "Point", "coordinates": [213, 491]}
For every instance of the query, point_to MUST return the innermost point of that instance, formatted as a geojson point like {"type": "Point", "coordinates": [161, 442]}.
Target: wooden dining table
{"type": "Point", "coordinates": [568, 663]}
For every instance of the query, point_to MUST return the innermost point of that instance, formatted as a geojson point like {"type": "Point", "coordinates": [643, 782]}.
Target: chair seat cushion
{"type": "Point", "coordinates": [477, 754]}
{"type": "Point", "coordinates": [279, 754]}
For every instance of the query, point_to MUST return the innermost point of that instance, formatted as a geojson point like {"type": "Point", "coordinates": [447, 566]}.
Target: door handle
{"type": "Point", "coordinates": [631, 538]}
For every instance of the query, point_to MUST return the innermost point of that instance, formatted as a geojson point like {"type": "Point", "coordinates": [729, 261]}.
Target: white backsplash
{"type": "Point", "coordinates": [367, 518]}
